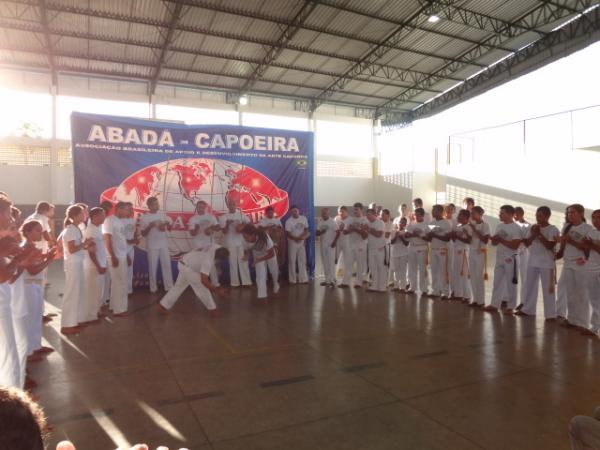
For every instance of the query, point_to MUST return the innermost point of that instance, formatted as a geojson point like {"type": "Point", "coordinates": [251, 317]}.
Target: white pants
{"type": "Point", "coordinates": [504, 289]}
{"type": "Point", "coordinates": [578, 305]}
{"type": "Point", "coordinates": [561, 296]}
{"type": "Point", "coordinates": [214, 276]}
{"type": "Point", "coordinates": [460, 273]}
{"type": "Point", "coordinates": [73, 311]}
{"type": "Point", "coordinates": [532, 281]}
{"type": "Point", "coordinates": [297, 262]}
{"type": "Point", "coordinates": [340, 254]}
{"type": "Point", "coordinates": [417, 268]}
{"type": "Point", "coordinates": [162, 255]}
{"type": "Point", "coordinates": [477, 270]}
{"type": "Point", "coordinates": [9, 360]}
{"type": "Point", "coordinates": [131, 254]}
{"type": "Point", "coordinates": [593, 295]}
{"type": "Point", "coordinates": [328, 260]}
{"type": "Point", "coordinates": [106, 290]}
{"type": "Point", "coordinates": [187, 277]}
{"type": "Point", "coordinates": [378, 269]}
{"type": "Point", "coordinates": [118, 286]}
{"type": "Point", "coordinates": [584, 432]}
{"type": "Point", "coordinates": [354, 255]}
{"type": "Point", "coordinates": [440, 277]}
{"type": "Point", "coordinates": [21, 327]}
{"type": "Point", "coordinates": [94, 290]}
{"type": "Point", "coordinates": [523, 263]}
{"type": "Point", "coordinates": [34, 293]}
{"type": "Point", "coordinates": [399, 267]}
{"type": "Point", "coordinates": [238, 267]}
{"type": "Point", "coordinates": [261, 268]}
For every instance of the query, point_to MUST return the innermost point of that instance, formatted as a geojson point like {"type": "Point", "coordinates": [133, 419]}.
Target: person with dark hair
{"type": "Point", "coordinates": [480, 235]}
{"type": "Point", "coordinates": [355, 227]}
{"type": "Point", "coordinates": [44, 211]}
{"type": "Point", "coordinates": [273, 227]}
{"type": "Point", "coordinates": [541, 266]}
{"type": "Point", "coordinates": [107, 206]}
{"type": "Point", "coordinates": [296, 228]}
{"type": "Point", "coordinates": [592, 269]}
{"type": "Point", "coordinates": [194, 270]}
{"type": "Point", "coordinates": [95, 265]}
{"type": "Point", "coordinates": [418, 203]}
{"type": "Point", "coordinates": [439, 261]}
{"type": "Point", "coordinates": [507, 238]}
{"type": "Point", "coordinates": [115, 240]}
{"type": "Point", "coordinates": [264, 259]}
{"type": "Point", "coordinates": [399, 254]}
{"type": "Point", "coordinates": [468, 203]}
{"type": "Point", "coordinates": [232, 223]}
{"type": "Point", "coordinates": [22, 421]}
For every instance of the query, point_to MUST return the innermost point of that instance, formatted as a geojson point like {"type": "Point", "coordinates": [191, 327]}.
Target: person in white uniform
{"type": "Point", "coordinates": [480, 235]}
{"type": "Point", "coordinates": [43, 212]}
{"type": "Point", "coordinates": [418, 252]}
{"type": "Point", "coordinates": [194, 270]}
{"type": "Point", "coordinates": [399, 254]}
{"type": "Point", "coordinates": [506, 238]}
{"type": "Point", "coordinates": [355, 228]}
{"type": "Point", "coordinates": [131, 232]}
{"type": "Point", "coordinates": [274, 228]}
{"type": "Point", "coordinates": [232, 223]}
{"type": "Point", "coordinates": [573, 272]}
{"type": "Point", "coordinates": [328, 232]}
{"type": "Point", "coordinates": [154, 226]}
{"type": "Point", "coordinates": [592, 272]}
{"type": "Point", "coordinates": [376, 243]}
{"type": "Point", "coordinates": [115, 241]}
{"type": "Point", "coordinates": [418, 203]}
{"type": "Point", "coordinates": [461, 236]}
{"type": "Point", "coordinates": [73, 307]}
{"type": "Point", "coordinates": [95, 265]}
{"type": "Point", "coordinates": [264, 259]}
{"type": "Point", "coordinates": [388, 229]}
{"type": "Point", "coordinates": [541, 266]}
{"type": "Point", "coordinates": [523, 254]}
{"type": "Point", "coordinates": [584, 432]}
{"type": "Point", "coordinates": [341, 248]}
{"type": "Point", "coordinates": [296, 229]}
{"type": "Point", "coordinates": [202, 226]}
{"type": "Point", "coordinates": [440, 234]}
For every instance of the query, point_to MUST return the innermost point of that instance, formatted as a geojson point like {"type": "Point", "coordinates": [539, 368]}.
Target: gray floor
{"type": "Point", "coordinates": [317, 368]}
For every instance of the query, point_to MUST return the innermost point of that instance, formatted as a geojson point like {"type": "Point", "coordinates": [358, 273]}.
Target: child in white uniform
{"type": "Point", "coordinates": [574, 272]}
{"type": "Point", "coordinates": [461, 236]}
{"type": "Point", "coordinates": [376, 252]}
{"type": "Point", "coordinates": [154, 226]}
{"type": "Point", "coordinates": [523, 253]}
{"type": "Point", "coordinates": [341, 248]}
{"type": "Point", "coordinates": [541, 266]}
{"type": "Point", "coordinates": [441, 231]}
{"type": "Point", "coordinates": [296, 228]}
{"type": "Point", "coordinates": [355, 228]}
{"type": "Point", "coordinates": [115, 241]}
{"type": "Point", "coordinates": [327, 229]}
{"type": "Point", "coordinates": [264, 259]}
{"type": "Point", "coordinates": [592, 268]}
{"type": "Point", "coordinates": [399, 254]}
{"type": "Point", "coordinates": [418, 248]}
{"type": "Point", "coordinates": [231, 224]}
{"type": "Point", "coordinates": [507, 238]}
{"type": "Point", "coordinates": [73, 307]}
{"type": "Point", "coordinates": [95, 265]}
{"type": "Point", "coordinates": [480, 235]}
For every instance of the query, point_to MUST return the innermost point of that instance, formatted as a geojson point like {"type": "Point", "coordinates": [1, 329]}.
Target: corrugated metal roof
{"type": "Point", "coordinates": [225, 43]}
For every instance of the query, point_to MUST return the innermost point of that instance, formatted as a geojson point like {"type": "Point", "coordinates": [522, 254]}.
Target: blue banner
{"type": "Point", "coordinates": [127, 159]}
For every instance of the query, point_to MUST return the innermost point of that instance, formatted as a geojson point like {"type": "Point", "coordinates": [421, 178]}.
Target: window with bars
{"type": "Point", "coordinates": [399, 179]}
{"type": "Point", "coordinates": [18, 155]}
{"type": "Point", "coordinates": [345, 169]}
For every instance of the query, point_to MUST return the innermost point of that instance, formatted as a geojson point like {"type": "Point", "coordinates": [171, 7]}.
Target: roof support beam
{"type": "Point", "coordinates": [48, 40]}
{"type": "Point", "coordinates": [168, 38]}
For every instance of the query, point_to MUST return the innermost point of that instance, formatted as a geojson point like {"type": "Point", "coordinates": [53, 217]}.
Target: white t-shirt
{"type": "Point", "coordinates": [572, 254]}
{"type": "Point", "coordinates": [200, 261]}
{"type": "Point", "coordinates": [463, 231]}
{"type": "Point", "coordinates": [260, 251]}
{"type": "Point", "coordinates": [388, 227]}
{"type": "Point", "coordinates": [155, 239]}
{"type": "Point", "coordinates": [129, 230]}
{"type": "Point", "coordinates": [539, 255]}
{"type": "Point", "coordinates": [266, 222]}
{"type": "Point", "coordinates": [204, 222]}
{"type": "Point", "coordinates": [373, 242]}
{"type": "Point", "coordinates": [510, 232]}
{"type": "Point", "coordinates": [20, 305]}
{"type": "Point", "coordinates": [329, 229]}
{"type": "Point", "coordinates": [296, 226]}
{"type": "Point", "coordinates": [355, 240]}
{"type": "Point", "coordinates": [398, 247]}
{"type": "Point", "coordinates": [95, 233]}
{"type": "Point", "coordinates": [232, 237]}
{"type": "Point", "coordinates": [484, 229]}
{"type": "Point", "coordinates": [343, 239]}
{"type": "Point", "coordinates": [41, 218]}
{"type": "Point", "coordinates": [439, 227]}
{"type": "Point", "coordinates": [525, 227]}
{"type": "Point", "coordinates": [593, 262]}
{"type": "Point", "coordinates": [116, 228]}
{"type": "Point", "coordinates": [419, 229]}
{"type": "Point", "coordinates": [72, 233]}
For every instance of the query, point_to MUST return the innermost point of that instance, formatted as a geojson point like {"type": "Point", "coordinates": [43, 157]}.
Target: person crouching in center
{"type": "Point", "coordinates": [263, 252]}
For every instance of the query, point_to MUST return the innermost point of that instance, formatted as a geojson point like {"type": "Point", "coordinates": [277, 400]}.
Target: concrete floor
{"type": "Point", "coordinates": [317, 368]}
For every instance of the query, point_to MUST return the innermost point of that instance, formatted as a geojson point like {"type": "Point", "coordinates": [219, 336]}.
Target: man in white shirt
{"type": "Point", "coordinates": [154, 226]}
{"type": "Point", "coordinates": [194, 270]}
{"type": "Point", "coordinates": [273, 227]}
{"type": "Point", "coordinates": [131, 232]}
{"type": "Point", "coordinates": [399, 254]}
{"type": "Point", "coordinates": [296, 229]}
{"type": "Point", "coordinates": [355, 228]}
{"type": "Point", "coordinates": [418, 203]}
{"type": "Point", "coordinates": [95, 264]}
{"type": "Point", "coordinates": [341, 248]}
{"type": "Point", "coordinates": [202, 227]}
{"type": "Point", "coordinates": [507, 238]}
{"type": "Point", "coordinates": [328, 231]}
{"type": "Point", "coordinates": [418, 249]}
{"type": "Point", "coordinates": [376, 243]}
{"type": "Point", "coordinates": [592, 268]}
{"type": "Point", "coordinates": [441, 231]}
{"type": "Point", "coordinates": [115, 240]}
{"type": "Point", "coordinates": [232, 223]}
{"type": "Point", "coordinates": [541, 266]}
{"type": "Point", "coordinates": [480, 235]}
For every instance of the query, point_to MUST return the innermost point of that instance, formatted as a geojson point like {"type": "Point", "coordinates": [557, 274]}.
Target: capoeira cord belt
{"type": "Point", "coordinates": [463, 263]}
{"type": "Point", "coordinates": [515, 279]}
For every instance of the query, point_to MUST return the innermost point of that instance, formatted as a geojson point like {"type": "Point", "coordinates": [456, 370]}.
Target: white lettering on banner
{"type": "Point", "coordinates": [116, 135]}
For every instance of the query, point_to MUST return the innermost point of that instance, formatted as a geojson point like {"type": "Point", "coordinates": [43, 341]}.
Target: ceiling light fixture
{"type": "Point", "coordinates": [433, 18]}
{"type": "Point", "coordinates": [243, 100]}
